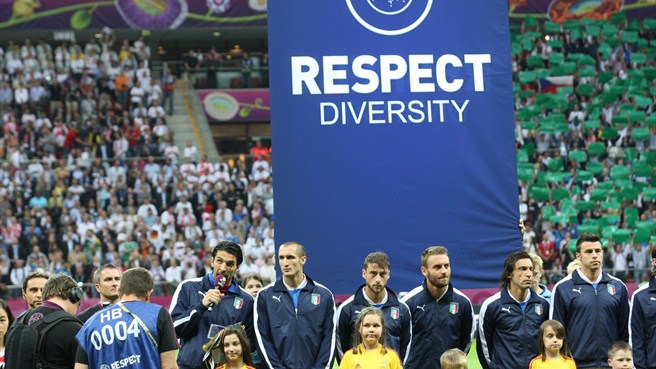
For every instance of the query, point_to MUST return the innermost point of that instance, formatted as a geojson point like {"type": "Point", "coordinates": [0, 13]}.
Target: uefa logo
{"type": "Point", "coordinates": [390, 17]}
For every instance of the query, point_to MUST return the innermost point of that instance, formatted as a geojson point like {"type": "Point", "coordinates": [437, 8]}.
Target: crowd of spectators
{"type": "Point", "coordinates": [90, 173]}
{"type": "Point", "coordinates": [586, 138]}
{"type": "Point", "coordinates": [204, 68]}
{"type": "Point", "coordinates": [91, 176]}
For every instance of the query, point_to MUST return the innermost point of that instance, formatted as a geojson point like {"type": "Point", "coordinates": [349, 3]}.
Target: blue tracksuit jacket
{"type": "Point", "coordinates": [397, 322]}
{"type": "Point", "coordinates": [593, 317]}
{"type": "Point", "coordinates": [437, 325]}
{"type": "Point", "coordinates": [290, 338]}
{"type": "Point", "coordinates": [195, 324]}
{"type": "Point", "coordinates": [642, 327]}
{"type": "Point", "coordinates": [508, 336]}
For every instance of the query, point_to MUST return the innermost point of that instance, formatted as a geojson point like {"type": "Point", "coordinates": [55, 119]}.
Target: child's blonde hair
{"type": "Point", "coordinates": [618, 346]}
{"type": "Point", "coordinates": [357, 337]}
{"type": "Point", "coordinates": [453, 359]}
{"type": "Point", "coordinates": [560, 333]}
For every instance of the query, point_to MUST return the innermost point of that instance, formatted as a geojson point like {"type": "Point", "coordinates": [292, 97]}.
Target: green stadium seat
{"type": "Point", "coordinates": [638, 58]}
{"type": "Point", "coordinates": [556, 58]}
{"type": "Point", "coordinates": [604, 77]}
{"type": "Point", "coordinates": [525, 174]}
{"type": "Point", "coordinates": [640, 134]}
{"type": "Point", "coordinates": [637, 116]}
{"type": "Point", "coordinates": [619, 172]}
{"type": "Point", "coordinates": [530, 125]}
{"type": "Point", "coordinates": [598, 195]}
{"type": "Point", "coordinates": [649, 193]}
{"type": "Point", "coordinates": [540, 193]}
{"type": "Point", "coordinates": [584, 175]}
{"type": "Point", "coordinates": [533, 61]}
{"type": "Point", "coordinates": [649, 23]}
{"type": "Point", "coordinates": [555, 164]}
{"type": "Point", "coordinates": [585, 89]}
{"type": "Point", "coordinates": [618, 18]}
{"type": "Point", "coordinates": [651, 120]}
{"type": "Point", "coordinates": [527, 76]}
{"type": "Point", "coordinates": [593, 123]}
{"type": "Point", "coordinates": [622, 235]}
{"type": "Point", "coordinates": [585, 205]}
{"type": "Point", "coordinates": [630, 216]}
{"type": "Point", "coordinates": [587, 72]}
{"type": "Point", "coordinates": [642, 170]}
{"type": "Point", "coordinates": [630, 36]}
{"type": "Point", "coordinates": [551, 27]}
{"type": "Point", "coordinates": [611, 219]}
{"type": "Point", "coordinates": [609, 133]}
{"type": "Point", "coordinates": [559, 193]}
{"type": "Point", "coordinates": [596, 148]}
{"type": "Point", "coordinates": [579, 155]}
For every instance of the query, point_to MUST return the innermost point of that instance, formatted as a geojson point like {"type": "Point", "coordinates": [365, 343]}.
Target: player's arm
{"type": "Point", "coordinates": [624, 312]}
{"type": "Point", "coordinates": [263, 333]}
{"type": "Point", "coordinates": [467, 327]}
{"type": "Point", "coordinates": [638, 334]}
{"type": "Point", "coordinates": [343, 329]}
{"type": "Point", "coordinates": [485, 342]}
{"type": "Point", "coordinates": [327, 345]}
{"type": "Point", "coordinates": [406, 332]}
{"type": "Point", "coordinates": [186, 315]}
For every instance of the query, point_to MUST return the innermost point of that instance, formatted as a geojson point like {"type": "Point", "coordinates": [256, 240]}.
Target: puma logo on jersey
{"type": "Point", "coordinates": [576, 290]}
{"type": "Point", "coordinates": [421, 307]}
{"type": "Point", "coordinates": [506, 309]}
{"type": "Point", "coordinates": [276, 298]}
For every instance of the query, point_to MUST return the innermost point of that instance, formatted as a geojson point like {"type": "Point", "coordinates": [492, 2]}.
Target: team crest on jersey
{"type": "Point", "coordinates": [315, 299]}
{"type": "Point", "coordinates": [454, 307]}
{"type": "Point", "coordinates": [611, 289]}
{"type": "Point", "coordinates": [238, 303]}
{"type": "Point", "coordinates": [539, 310]}
{"type": "Point", "coordinates": [394, 313]}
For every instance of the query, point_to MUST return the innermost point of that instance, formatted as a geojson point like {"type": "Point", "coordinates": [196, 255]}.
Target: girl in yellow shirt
{"type": "Point", "coordinates": [555, 353]}
{"type": "Point", "coordinates": [369, 350]}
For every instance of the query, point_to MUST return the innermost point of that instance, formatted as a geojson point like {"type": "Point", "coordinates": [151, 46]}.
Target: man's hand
{"type": "Point", "coordinates": [212, 297]}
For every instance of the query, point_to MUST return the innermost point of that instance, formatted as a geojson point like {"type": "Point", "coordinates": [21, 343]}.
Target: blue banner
{"type": "Point", "coordinates": [392, 128]}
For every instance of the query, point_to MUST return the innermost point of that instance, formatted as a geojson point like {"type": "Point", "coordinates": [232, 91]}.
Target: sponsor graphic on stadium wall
{"type": "Point", "coordinates": [392, 123]}
{"type": "Point", "coordinates": [250, 105]}
{"type": "Point", "coordinates": [563, 10]}
{"type": "Point", "coordinates": [136, 14]}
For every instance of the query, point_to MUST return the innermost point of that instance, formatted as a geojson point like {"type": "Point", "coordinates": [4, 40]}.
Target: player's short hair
{"type": "Point", "coordinates": [231, 248]}
{"type": "Point", "coordinates": [586, 237]}
{"type": "Point", "coordinates": [433, 250]}
{"type": "Point", "coordinates": [509, 266]}
{"type": "Point", "coordinates": [379, 258]}
{"type": "Point", "coordinates": [300, 249]}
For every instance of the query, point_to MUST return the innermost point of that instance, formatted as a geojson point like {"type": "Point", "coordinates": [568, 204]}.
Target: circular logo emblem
{"type": "Point", "coordinates": [390, 17]}
{"type": "Point", "coordinates": [221, 106]}
{"type": "Point", "coordinates": [104, 366]}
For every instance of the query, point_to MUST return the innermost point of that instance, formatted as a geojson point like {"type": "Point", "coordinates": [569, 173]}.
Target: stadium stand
{"type": "Point", "coordinates": [586, 139]}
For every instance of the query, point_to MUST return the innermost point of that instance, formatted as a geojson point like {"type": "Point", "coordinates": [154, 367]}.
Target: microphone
{"type": "Point", "coordinates": [219, 281]}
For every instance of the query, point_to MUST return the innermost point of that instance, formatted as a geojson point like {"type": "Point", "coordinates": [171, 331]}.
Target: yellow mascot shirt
{"type": "Point", "coordinates": [371, 359]}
